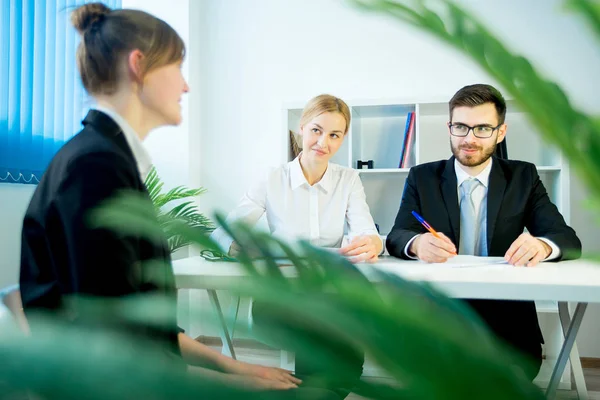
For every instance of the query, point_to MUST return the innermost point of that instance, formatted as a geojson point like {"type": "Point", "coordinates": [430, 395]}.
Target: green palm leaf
{"type": "Point", "coordinates": [177, 193]}
{"type": "Point", "coordinates": [589, 10]}
{"type": "Point", "coordinates": [187, 211]}
{"type": "Point", "coordinates": [153, 184]}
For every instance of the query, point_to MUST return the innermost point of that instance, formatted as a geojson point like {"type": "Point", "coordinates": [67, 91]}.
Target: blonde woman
{"type": "Point", "coordinates": [311, 198]}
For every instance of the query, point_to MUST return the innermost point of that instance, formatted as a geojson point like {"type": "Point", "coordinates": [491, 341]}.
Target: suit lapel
{"type": "Point", "coordinates": [496, 187]}
{"type": "Point", "coordinates": [450, 195]}
{"type": "Point", "coordinates": [106, 126]}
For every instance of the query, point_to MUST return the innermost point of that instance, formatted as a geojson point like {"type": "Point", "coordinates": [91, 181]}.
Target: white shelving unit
{"type": "Point", "coordinates": [377, 133]}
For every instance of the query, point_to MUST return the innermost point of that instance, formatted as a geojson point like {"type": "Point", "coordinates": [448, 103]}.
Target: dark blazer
{"type": "Point", "coordinates": [61, 255]}
{"type": "Point", "coordinates": [516, 200]}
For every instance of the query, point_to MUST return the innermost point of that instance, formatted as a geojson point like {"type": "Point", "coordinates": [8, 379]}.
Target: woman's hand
{"type": "Point", "coordinates": [234, 249]}
{"type": "Point", "coordinates": [282, 376]}
{"type": "Point", "coordinates": [249, 382]}
{"type": "Point", "coordinates": [364, 248]}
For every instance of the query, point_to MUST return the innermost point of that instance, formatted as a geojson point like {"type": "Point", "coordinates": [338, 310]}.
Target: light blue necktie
{"type": "Point", "coordinates": [473, 237]}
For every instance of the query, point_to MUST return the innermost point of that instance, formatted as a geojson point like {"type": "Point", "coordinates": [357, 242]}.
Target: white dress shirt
{"type": "Point", "coordinates": [320, 213]}
{"type": "Point", "coordinates": [140, 154]}
{"type": "Point", "coordinates": [479, 197]}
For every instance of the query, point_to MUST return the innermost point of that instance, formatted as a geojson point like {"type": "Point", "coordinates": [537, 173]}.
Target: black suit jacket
{"type": "Point", "coordinates": [61, 255]}
{"type": "Point", "coordinates": [516, 200]}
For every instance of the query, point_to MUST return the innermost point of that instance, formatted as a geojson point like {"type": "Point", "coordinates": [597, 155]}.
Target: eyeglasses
{"type": "Point", "coordinates": [480, 131]}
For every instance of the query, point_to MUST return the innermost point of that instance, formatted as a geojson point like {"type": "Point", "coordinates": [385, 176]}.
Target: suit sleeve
{"type": "Point", "coordinates": [405, 226]}
{"type": "Point", "coordinates": [100, 262]}
{"type": "Point", "coordinates": [544, 220]}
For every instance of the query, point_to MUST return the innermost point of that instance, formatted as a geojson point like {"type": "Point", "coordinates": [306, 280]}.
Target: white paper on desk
{"type": "Point", "coordinates": [463, 261]}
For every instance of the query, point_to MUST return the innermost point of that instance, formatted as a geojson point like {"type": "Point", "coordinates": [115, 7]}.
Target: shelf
{"type": "Point", "coordinates": [549, 169]}
{"type": "Point", "coordinates": [382, 111]}
{"type": "Point", "coordinates": [384, 171]}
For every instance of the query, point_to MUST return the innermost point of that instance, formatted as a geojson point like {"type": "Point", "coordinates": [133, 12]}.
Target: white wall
{"type": "Point", "coordinates": [257, 55]}
{"type": "Point", "coordinates": [14, 200]}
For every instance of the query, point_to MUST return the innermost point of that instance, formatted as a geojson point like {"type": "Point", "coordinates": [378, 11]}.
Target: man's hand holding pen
{"type": "Point", "coordinates": [429, 248]}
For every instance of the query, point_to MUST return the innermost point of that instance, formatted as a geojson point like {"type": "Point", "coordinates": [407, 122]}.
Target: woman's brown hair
{"type": "Point", "coordinates": [108, 36]}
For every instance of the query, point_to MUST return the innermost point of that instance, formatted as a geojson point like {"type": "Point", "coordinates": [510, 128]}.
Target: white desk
{"type": "Point", "coordinates": [569, 281]}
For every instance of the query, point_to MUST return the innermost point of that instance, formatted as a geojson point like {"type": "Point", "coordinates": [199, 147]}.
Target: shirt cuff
{"type": "Point", "coordinates": [555, 250]}
{"type": "Point", "coordinates": [406, 253]}
{"type": "Point", "coordinates": [223, 239]}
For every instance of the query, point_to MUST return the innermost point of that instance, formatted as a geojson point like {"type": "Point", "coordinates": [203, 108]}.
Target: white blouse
{"type": "Point", "coordinates": [321, 213]}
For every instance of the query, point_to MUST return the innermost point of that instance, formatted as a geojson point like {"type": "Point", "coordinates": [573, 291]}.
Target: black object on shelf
{"type": "Point", "coordinates": [501, 150]}
{"type": "Point", "coordinates": [360, 164]}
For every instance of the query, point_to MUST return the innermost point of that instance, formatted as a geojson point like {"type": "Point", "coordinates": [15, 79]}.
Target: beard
{"type": "Point", "coordinates": [473, 160]}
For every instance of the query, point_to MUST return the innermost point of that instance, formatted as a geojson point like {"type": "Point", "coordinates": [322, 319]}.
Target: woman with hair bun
{"type": "Point", "coordinates": [130, 64]}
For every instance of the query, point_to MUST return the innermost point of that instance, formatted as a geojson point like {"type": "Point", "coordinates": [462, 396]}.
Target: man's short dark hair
{"type": "Point", "coordinates": [476, 95]}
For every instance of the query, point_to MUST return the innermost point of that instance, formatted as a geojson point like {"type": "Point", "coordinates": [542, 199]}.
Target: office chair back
{"type": "Point", "coordinates": [501, 150]}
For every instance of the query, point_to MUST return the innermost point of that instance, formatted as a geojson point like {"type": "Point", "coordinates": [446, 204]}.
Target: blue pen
{"type": "Point", "coordinates": [426, 225]}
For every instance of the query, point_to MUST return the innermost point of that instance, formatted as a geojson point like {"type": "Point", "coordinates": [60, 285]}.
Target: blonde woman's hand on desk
{"type": "Point", "coordinates": [428, 248]}
{"type": "Point", "coordinates": [365, 248]}
{"type": "Point", "coordinates": [527, 251]}
{"type": "Point", "coordinates": [234, 249]}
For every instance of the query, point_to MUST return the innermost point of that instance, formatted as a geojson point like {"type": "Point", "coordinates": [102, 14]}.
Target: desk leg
{"type": "Point", "coordinates": [577, 370]}
{"type": "Point", "coordinates": [225, 336]}
{"type": "Point", "coordinates": [288, 360]}
{"type": "Point", "coordinates": [570, 335]}
{"type": "Point", "coordinates": [234, 308]}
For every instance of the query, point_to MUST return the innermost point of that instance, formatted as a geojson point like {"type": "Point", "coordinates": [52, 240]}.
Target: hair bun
{"type": "Point", "coordinates": [87, 15]}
